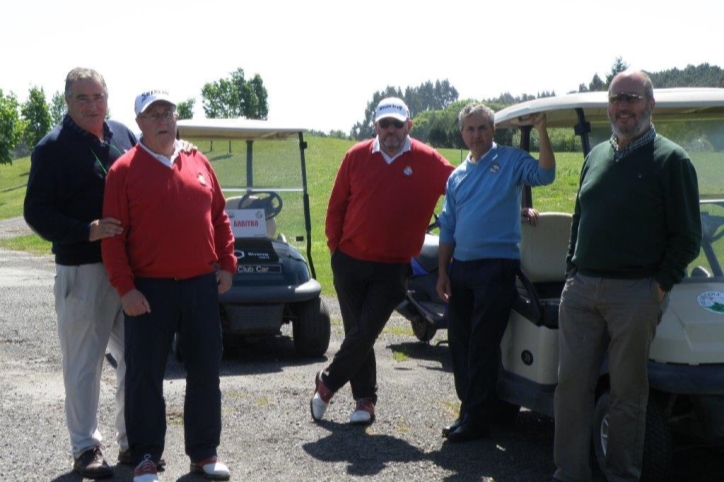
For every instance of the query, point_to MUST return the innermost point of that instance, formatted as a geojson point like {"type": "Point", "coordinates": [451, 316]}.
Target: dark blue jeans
{"type": "Point", "coordinates": [483, 292]}
{"type": "Point", "coordinates": [190, 306]}
{"type": "Point", "coordinates": [368, 292]}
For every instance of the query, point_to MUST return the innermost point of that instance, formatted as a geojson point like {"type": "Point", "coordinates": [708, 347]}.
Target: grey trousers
{"type": "Point", "coordinates": [597, 315]}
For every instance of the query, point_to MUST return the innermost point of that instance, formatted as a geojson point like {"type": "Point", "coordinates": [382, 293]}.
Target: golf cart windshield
{"type": "Point", "coordinates": [261, 168]}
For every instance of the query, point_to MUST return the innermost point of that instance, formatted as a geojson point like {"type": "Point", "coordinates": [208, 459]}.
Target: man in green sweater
{"type": "Point", "coordinates": [636, 227]}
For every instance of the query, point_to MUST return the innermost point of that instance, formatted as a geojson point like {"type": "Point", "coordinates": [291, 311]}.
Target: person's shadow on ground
{"type": "Point", "coordinates": [365, 454]}
{"type": "Point", "coordinates": [370, 454]}
{"type": "Point", "coordinates": [436, 351]}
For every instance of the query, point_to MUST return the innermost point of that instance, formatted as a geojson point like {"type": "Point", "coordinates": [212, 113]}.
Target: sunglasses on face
{"type": "Point", "coordinates": [385, 123]}
{"type": "Point", "coordinates": [628, 98]}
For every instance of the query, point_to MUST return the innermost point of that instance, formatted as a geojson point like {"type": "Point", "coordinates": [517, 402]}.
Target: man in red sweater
{"type": "Point", "coordinates": [381, 204]}
{"type": "Point", "coordinates": [173, 258]}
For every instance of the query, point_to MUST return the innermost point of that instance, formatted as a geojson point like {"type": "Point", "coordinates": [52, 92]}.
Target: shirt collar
{"type": "Point", "coordinates": [389, 159]}
{"type": "Point", "coordinates": [160, 157]}
{"type": "Point", "coordinates": [619, 154]}
{"type": "Point", "coordinates": [470, 159]}
{"type": "Point", "coordinates": [69, 123]}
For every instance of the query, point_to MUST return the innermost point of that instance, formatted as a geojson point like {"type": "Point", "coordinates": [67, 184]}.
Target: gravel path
{"type": "Point", "coordinates": [13, 227]}
{"type": "Point", "coordinates": [268, 434]}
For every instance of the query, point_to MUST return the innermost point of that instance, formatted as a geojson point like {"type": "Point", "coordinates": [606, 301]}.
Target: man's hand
{"type": "Point", "coordinates": [187, 147]}
{"type": "Point", "coordinates": [443, 287]}
{"type": "Point", "coordinates": [539, 122]}
{"type": "Point", "coordinates": [135, 304]}
{"type": "Point", "coordinates": [530, 215]}
{"type": "Point", "coordinates": [104, 228]}
{"type": "Point", "coordinates": [223, 280]}
{"type": "Point", "coordinates": [661, 292]}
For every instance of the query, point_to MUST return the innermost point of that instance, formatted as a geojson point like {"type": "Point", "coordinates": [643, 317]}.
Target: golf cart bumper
{"type": "Point", "coordinates": [260, 310]}
{"type": "Point", "coordinates": [687, 379]}
{"type": "Point", "coordinates": [272, 294]}
{"type": "Point", "coordinates": [703, 386]}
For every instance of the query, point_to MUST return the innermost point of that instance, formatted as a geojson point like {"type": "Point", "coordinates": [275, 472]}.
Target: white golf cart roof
{"type": "Point", "coordinates": [561, 111]}
{"type": "Point", "coordinates": [236, 129]}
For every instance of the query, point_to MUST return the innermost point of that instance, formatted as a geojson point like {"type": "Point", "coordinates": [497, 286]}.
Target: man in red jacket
{"type": "Point", "coordinates": [173, 258]}
{"type": "Point", "coordinates": [381, 204]}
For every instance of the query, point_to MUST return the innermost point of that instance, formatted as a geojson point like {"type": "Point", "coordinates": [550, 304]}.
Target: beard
{"type": "Point", "coordinates": [638, 128]}
{"type": "Point", "coordinates": [392, 143]}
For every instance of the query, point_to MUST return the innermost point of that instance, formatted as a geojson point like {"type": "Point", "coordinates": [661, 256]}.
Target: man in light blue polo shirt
{"type": "Point", "coordinates": [479, 258]}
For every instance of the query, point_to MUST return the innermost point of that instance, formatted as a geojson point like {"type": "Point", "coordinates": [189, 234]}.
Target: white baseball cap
{"type": "Point", "coordinates": [149, 97]}
{"type": "Point", "coordinates": [392, 107]}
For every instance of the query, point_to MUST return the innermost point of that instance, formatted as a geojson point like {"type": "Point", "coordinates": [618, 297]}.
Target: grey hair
{"type": "Point", "coordinates": [473, 109]}
{"type": "Point", "coordinates": [79, 74]}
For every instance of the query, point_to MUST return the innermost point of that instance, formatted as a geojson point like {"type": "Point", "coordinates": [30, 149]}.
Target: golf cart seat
{"type": "Point", "coordinates": [236, 203]}
{"type": "Point", "coordinates": [543, 250]}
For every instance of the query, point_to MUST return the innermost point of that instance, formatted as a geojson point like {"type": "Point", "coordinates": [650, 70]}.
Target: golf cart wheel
{"type": "Point", "coordinates": [176, 348]}
{"type": "Point", "coordinates": [311, 330]}
{"type": "Point", "coordinates": [423, 329]}
{"type": "Point", "coordinates": [656, 464]}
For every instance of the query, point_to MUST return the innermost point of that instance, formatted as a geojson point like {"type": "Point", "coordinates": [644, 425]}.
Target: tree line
{"type": "Point", "coordinates": [434, 106]}
{"type": "Point", "coordinates": [438, 126]}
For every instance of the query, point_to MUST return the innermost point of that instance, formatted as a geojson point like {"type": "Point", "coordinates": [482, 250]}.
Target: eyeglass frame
{"type": "Point", "coordinates": [165, 116]}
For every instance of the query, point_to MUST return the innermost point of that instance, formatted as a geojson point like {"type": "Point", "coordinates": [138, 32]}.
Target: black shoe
{"type": "Point", "coordinates": [126, 458]}
{"type": "Point", "coordinates": [446, 431]}
{"type": "Point", "coordinates": [92, 465]}
{"type": "Point", "coordinates": [468, 431]}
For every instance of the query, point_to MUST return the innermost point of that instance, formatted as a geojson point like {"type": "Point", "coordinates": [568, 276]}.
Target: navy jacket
{"type": "Point", "coordinates": [66, 184]}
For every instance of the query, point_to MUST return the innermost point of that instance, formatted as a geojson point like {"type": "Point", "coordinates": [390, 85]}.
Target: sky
{"type": "Point", "coordinates": [322, 60]}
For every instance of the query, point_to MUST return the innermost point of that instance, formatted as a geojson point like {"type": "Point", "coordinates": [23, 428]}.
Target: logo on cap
{"type": "Point", "coordinates": [148, 94]}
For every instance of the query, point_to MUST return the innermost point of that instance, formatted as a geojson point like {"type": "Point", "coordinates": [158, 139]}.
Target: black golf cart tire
{"type": "Point", "coordinates": [656, 463]}
{"type": "Point", "coordinates": [423, 329]}
{"type": "Point", "coordinates": [311, 329]}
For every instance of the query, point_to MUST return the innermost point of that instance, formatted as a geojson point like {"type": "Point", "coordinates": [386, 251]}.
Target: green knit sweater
{"type": "Point", "coordinates": [636, 217]}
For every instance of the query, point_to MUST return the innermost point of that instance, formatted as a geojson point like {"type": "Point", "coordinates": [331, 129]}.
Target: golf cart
{"type": "Point", "coordinates": [261, 168]}
{"type": "Point", "coordinates": [686, 365]}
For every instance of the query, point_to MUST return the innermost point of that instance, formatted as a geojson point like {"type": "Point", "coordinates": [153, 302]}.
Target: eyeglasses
{"type": "Point", "coordinates": [628, 98]}
{"type": "Point", "coordinates": [166, 115]}
{"type": "Point", "coordinates": [385, 123]}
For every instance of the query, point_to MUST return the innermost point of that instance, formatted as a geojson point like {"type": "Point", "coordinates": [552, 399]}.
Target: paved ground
{"type": "Point", "coordinates": [268, 433]}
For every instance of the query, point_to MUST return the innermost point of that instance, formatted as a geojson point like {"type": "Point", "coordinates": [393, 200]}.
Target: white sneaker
{"type": "Point", "coordinates": [320, 401]}
{"type": "Point", "coordinates": [146, 471]}
{"type": "Point", "coordinates": [364, 413]}
{"type": "Point", "coordinates": [212, 468]}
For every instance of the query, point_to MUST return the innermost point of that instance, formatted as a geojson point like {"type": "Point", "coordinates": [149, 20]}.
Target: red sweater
{"type": "Point", "coordinates": [174, 221]}
{"type": "Point", "coordinates": [378, 211]}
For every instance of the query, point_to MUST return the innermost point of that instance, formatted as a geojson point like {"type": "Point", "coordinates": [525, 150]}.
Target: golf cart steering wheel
{"type": "Point", "coordinates": [269, 201]}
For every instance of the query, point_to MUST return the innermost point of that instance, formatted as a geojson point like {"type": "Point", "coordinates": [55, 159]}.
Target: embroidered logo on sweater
{"type": "Point", "coordinates": [495, 167]}
{"type": "Point", "coordinates": [407, 171]}
{"type": "Point", "coordinates": [201, 179]}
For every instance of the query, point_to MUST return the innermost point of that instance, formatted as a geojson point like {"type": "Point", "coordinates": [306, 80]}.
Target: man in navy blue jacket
{"type": "Point", "coordinates": [63, 204]}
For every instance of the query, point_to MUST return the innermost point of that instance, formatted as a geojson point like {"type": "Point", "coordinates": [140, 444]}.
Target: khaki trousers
{"type": "Point", "coordinates": [89, 320]}
{"type": "Point", "coordinates": [597, 315]}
